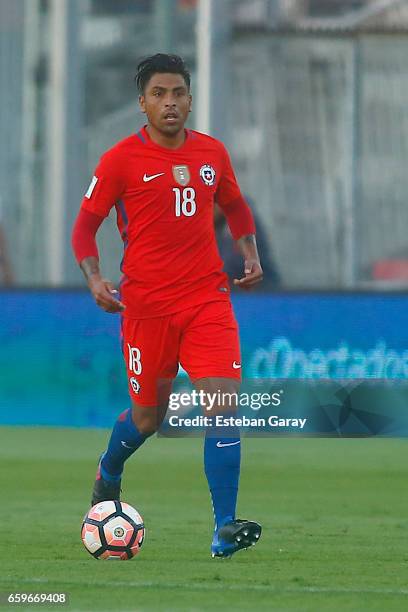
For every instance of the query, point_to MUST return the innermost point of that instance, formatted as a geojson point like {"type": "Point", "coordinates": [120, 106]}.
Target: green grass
{"type": "Point", "coordinates": [334, 514]}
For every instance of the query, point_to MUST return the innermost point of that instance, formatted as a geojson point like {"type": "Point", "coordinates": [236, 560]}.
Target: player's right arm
{"type": "Point", "coordinates": [105, 189]}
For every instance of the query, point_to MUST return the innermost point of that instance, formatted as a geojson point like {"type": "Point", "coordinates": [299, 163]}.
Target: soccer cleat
{"type": "Point", "coordinates": [233, 536]}
{"type": "Point", "coordinates": [105, 490]}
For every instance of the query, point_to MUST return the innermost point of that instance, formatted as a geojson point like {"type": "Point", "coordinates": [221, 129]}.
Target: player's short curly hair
{"type": "Point", "coordinates": [160, 63]}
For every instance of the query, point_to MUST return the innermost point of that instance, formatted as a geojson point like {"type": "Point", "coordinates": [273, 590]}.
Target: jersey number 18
{"type": "Point", "coordinates": [185, 201]}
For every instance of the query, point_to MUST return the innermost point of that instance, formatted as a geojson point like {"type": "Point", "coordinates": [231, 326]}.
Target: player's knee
{"type": "Point", "coordinates": [221, 393]}
{"type": "Point", "coordinates": [147, 430]}
{"type": "Point", "coordinates": [146, 420]}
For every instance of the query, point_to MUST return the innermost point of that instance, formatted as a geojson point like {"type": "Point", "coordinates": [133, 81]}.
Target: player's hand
{"type": "Point", "coordinates": [103, 292]}
{"type": "Point", "coordinates": [253, 274]}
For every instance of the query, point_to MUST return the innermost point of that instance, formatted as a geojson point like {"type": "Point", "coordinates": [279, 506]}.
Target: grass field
{"type": "Point", "coordinates": [334, 514]}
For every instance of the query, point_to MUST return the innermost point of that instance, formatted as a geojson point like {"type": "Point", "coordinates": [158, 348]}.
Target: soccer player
{"type": "Point", "coordinates": [174, 298]}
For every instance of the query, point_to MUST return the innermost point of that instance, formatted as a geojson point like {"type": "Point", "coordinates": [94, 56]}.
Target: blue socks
{"type": "Point", "coordinates": [222, 460]}
{"type": "Point", "coordinates": [124, 441]}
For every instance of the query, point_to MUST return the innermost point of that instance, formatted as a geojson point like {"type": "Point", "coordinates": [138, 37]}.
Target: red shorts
{"type": "Point", "coordinates": [203, 339]}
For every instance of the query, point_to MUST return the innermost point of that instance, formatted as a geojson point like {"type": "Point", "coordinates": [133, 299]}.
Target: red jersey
{"type": "Point", "coordinates": [164, 201]}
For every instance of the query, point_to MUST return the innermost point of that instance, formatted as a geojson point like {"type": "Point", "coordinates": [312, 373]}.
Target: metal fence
{"type": "Point", "coordinates": [11, 107]}
{"type": "Point", "coordinates": [318, 135]}
{"type": "Point", "coordinates": [320, 139]}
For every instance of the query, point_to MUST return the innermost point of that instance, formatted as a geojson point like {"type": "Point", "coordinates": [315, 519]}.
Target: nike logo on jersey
{"type": "Point", "coordinates": [236, 365]}
{"type": "Point", "coordinates": [147, 178]}
{"type": "Point", "coordinates": [222, 444]}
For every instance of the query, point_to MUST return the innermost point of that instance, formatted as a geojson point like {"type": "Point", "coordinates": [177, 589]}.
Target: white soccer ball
{"type": "Point", "coordinates": [113, 530]}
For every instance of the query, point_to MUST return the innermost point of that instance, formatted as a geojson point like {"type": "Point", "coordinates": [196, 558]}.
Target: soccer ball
{"type": "Point", "coordinates": [113, 530]}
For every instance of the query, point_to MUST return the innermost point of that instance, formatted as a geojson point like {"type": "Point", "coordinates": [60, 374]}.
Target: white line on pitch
{"type": "Point", "coordinates": [210, 587]}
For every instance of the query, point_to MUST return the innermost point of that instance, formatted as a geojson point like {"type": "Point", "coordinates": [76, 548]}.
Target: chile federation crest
{"type": "Point", "coordinates": [207, 174]}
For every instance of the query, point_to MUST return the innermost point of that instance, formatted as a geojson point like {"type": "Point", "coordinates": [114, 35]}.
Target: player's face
{"type": "Point", "coordinates": [166, 102]}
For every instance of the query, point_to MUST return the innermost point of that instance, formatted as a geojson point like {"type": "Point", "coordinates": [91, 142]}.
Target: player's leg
{"type": "Point", "coordinates": [222, 446]}
{"type": "Point", "coordinates": [210, 353]}
{"type": "Point", "coordinates": [131, 429]}
{"type": "Point", "coordinates": [151, 365]}
{"type": "Point", "coordinates": [222, 462]}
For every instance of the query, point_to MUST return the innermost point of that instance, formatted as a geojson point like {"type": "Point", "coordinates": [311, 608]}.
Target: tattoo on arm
{"type": "Point", "coordinates": [247, 246]}
{"type": "Point", "coordinates": [90, 267]}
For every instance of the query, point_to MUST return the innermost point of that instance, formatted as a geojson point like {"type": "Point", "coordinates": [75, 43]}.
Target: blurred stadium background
{"type": "Point", "coordinates": [311, 98]}
{"type": "Point", "coordinates": [310, 95]}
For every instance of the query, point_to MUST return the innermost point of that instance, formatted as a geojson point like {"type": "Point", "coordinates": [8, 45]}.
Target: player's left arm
{"type": "Point", "coordinates": [241, 223]}
{"type": "Point", "coordinates": [252, 266]}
